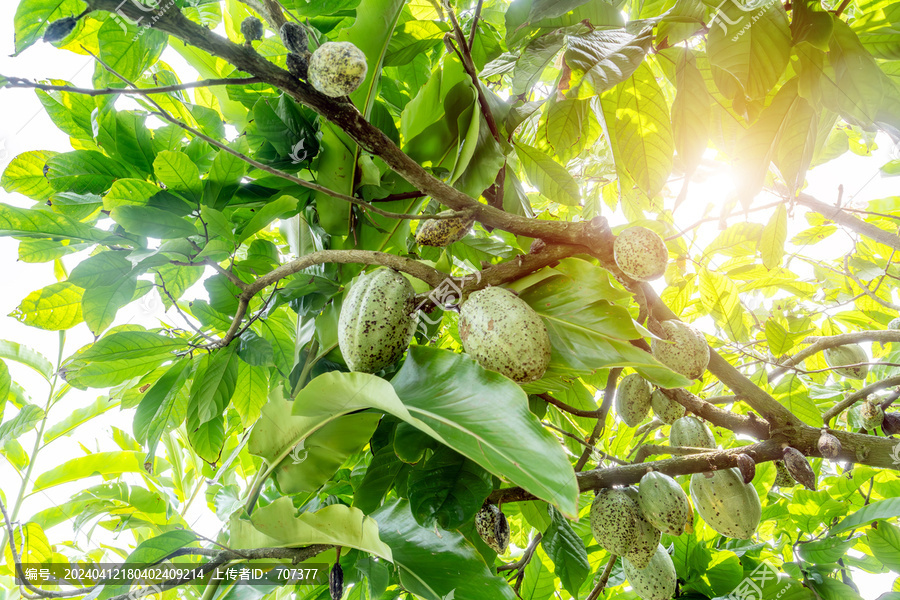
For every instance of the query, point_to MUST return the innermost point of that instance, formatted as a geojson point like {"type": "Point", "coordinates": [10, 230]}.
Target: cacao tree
{"type": "Point", "coordinates": [438, 277]}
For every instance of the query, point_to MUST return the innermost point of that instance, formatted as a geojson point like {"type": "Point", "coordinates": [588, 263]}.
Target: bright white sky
{"type": "Point", "coordinates": [24, 126]}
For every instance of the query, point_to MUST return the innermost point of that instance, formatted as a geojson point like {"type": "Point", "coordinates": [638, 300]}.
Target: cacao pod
{"type": "Point", "coordinates": [691, 432]}
{"type": "Point", "coordinates": [799, 468]}
{"type": "Point", "coordinates": [828, 445]}
{"type": "Point", "coordinates": [894, 324]}
{"type": "Point", "coordinates": [252, 29]}
{"type": "Point", "coordinates": [665, 408]}
{"type": "Point", "coordinates": [647, 537]}
{"type": "Point", "coordinates": [872, 415]}
{"type": "Point", "coordinates": [59, 29]}
{"type": "Point", "coordinates": [851, 354]}
{"type": "Point", "coordinates": [492, 526]}
{"type": "Point", "coordinates": [633, 399]}
{"type": "Point", "coordinates": [747, 467]}
{"type": "Point", "coordinates": [664, 503]}
{"type": "Point", "coordinates": [377, 320]}
{"type": "Point", "coordinates": [294, 38]}
{"type": "Point", "coordinates": [504, 334]}
{"type": "Point", "coordinates": [684, 350]}
{"type": "Point", "coordinates": [337, 68]}
{"type": "Point", "coordinates": [640, 253]}
{"type": "Point", "coordinates": [727, 504]}
{"type": "Point", "coordinates": [443, 232]}
{"type": "Point", "coordinates": [614, 518]}
{"type": "Point", "coordinates": [336, 582]}
{"type": "Point", "coordinates": [657, 580]}
{"type": "Point", "coordinates": [890, 425]}
{"type": "Point", "coordinates": [298, 65]}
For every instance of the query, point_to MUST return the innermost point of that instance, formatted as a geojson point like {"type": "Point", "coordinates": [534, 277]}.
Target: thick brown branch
{"type": "Point", "coordinates": [717, 416]}
{"type": "Point", "coordinates": [840, 217]}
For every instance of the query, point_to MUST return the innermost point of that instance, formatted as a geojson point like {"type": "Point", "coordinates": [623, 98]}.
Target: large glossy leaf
{"type": "Point", "coordinates": [720, 298]}
{"type": "Point", "coordinates": [83, 171]}
{"type": "Point", "coordinates": [152, 222]}
{"type": "Point", "coordinates": [690, 111]}
{"type": "Point", "coordinates": [448, 489]}
{"type": "Point", "coordinates": [25, 175]}
{"type": "Point", "coordinates": [55, 307]}
{"type": "Point", "coordinates": [436, 564]}
{"type": "Point", "coordinates": [128, 49]}
{"type": "Point", "coordinates": [856, 70]}
{"type": "Point", "coordinates": [148, 552]}
{"type": "Point", "coordinates": [277, 526]}
{"type": "Point", "coordinates": [42, 224]}
{"type": "Point", "coordinates": [120, 356]}
{"type": "Point", "coordinates": [100, 304]}
{"type": "Point", "coordinates": [602, 58]}
{"type": "Point", "coordinates": [885, 545]}
{"type": "Point", "coordinates": [32, 16]}
{"type": "Point", "coordinates": [547, 175]}
{"type": "Point", "coordinates": [26, 356]}
{"type": "Point", "coordinates": [26, 420]}
{"type": "Point", "coordinates": [883, 509]}
{"type": "Point", "coordinates": [157, 411]}
{"type": "Point", "coordinates": [99, 463]}
{"type": "Point", "coordinates": [567, 552]}
{"type": "Point", "coordinates": [214, 384]}
{"type": "Point", "coordinates": [444, 395]}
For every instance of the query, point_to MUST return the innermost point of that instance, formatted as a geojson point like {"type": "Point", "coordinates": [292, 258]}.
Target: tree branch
{"type": "Point", "coordinates": [608, 393]}
{"type": "Point", "coordinates": [819, 343]}
{"type": "Point", "coordinates": [604, 579]}
{"type": "Point", "coordinates": [857, 396]}
{"type": "Point", "coordinates": [839, 216]}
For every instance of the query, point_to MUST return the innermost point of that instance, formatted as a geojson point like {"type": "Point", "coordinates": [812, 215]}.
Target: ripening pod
{"type": "Point", "coordinates": [294, 38]}
{"type": "Point", "coordinates": [691, 432]}
{"type": "Point", "coordinates": [747, 467]}
{"type": "Point", "coordinates": [614, 517]}
{"type": "Point", "coordinates": [783, 479]}
{"type": "Point", "coordinates": [665, 408]}
{"type": "Point", "coordinates": [727, 504]}
{"type": "Point", "coordinates": [443, 232]}
{"type": "Point", "coordinates": [664, 503]}
{"type": "Point", "coordinates": [657, 580]}
{"type": "Point", "coordinates": [872, 415]}
{"type": "Point", "coordinates": [633, 399]}
{"type": "Point", "coordinates": [337, 68]}
{"type": "Point", "coordinates": [336, 582]}
{"type": "Point", "coordinates": [252, 29]}
{"type": "Point", "coordinates": [799, 468]}
{"type": "Point", "coordinates": [647, 538]}
{"type": "Point", "coordinates": [829, 446]}
{"type": "Point", "coordinates": [683, 349]}
{"type": "Point", "coordinates": [851, 354]}
{"type": "Point", "coordinates": [890, 425]}
{"type": "Point", "coordinates": [59, 29]}
{"type": "Point", "coordinates": [492, 526]}
{"type": "Point", "coordinates": [640, 253]}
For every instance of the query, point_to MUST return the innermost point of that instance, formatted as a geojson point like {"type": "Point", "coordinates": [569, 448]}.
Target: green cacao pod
{"type": "Point", "coordinates": [504, 334]}
{"type": "Point", "coordinates": [633, 399]}
{"type": "Point", "coordinates": [657, 580]}
{"type": "Point", "coordinates": [850, 354]}
{"type": "Point", "coordinates": [665, 408]}
{"type": "Point", "coordinates": [640, 253]}
{"type": "Point", "coordinates": [872, 415]}
{"type": "Point", "coordinates": [492, 526]}
{"type": "Point", "coordinates": [614, 521]}
{"type": "Point", "coordinates": [727, 504]}
{"type": "Point", "coordinates": [664, 503]}
{"type": "Point", "coordinates": [377, 320]}
{"type": "Point", "coordinates": [691, 432]}
{"type": "Point", "coordinates": [443, 232]}
{"type": "Point", "coordinates": [684, 350]}
{"type": "Point", "coordinates": [894, 324]}
{"type": "Point", "coordinates": [337, 68]}
{"type": "Point", "coordinates": [647, 537]}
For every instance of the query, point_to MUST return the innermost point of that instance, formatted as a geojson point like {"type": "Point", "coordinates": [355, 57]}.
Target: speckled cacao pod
{"type": "Point", "coordinates": [633, 399]}
{"type": "Point", "coordinates": [252, 29]}
{"type": "Point", "coordinates": [443, 232]}
{"type": "Point", "coordinates": [872, 415]}
{"type": "Point", "coordinates": [664, 503]}
{"type": "Point", "coordinates": [783, 479]}
{"type": "Point", "coordinates": [337, 68]}
{"type": "Point", "coordinates": [727, 504]}
{"type": "Point", "coordinates": [665, 408]}
{"type": "Point", "coordinates": [640, 253]}
{"type": "Point", "coordinates": [828, 445]}
{"type": "Point", "coordinates": [492, 526]}
{"type": "Point", "coordinates": [614, 517]}
{"type": "Point", "coordinates": [657, 580]}
{"type": "Point", "coordinates": [294, 38]}
{"type": "Point", "coordinates": [851, 354]}
{"type": "Point", "coordinates": [684, 351]}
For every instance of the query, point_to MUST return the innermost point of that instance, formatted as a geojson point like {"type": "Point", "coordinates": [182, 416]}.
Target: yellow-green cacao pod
{"type": "Point", "coordinates": [443, 232]}
{"type": "Point", "coordinates": [664, 503]}
{"type": "Point", "coordinates": [640, 253]}
{"type": "Point", "coordinates": [633, 399]}
{"type": "Point", "coordinates": [504, 334]}
{"type": "Point", "coordinates": [684, 351]}
{"type": "Point", "coordinates": [665, 408]}
{"type": "Point", "coordinates": [691, 432]}
{"type": "Point", "coordinates": [492, 526]}
{"type": "Point", "coordinates": [850, 354]}
{"type": "Point", "coordinates": [614, 521]}
{"type": "Point", "coordinates": [727, 504]}
{"type": "Point", "coordinates": [872, 415]}
{"type": "Point", "coordinates": [337, 68]}
{"type": "Point", "coordinates": [657, 580]}
{"type": "Point", "coordinates": [377, 320]}
{"type": "Point", "coordinates": [647, 537]}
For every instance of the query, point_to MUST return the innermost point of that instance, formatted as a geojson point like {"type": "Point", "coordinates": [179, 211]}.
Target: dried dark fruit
{"type": "Point", "coordinates": [492, 526]}
{"type": "Point", "coordinates": [252, 29]}
{"type": "Point", "coordinates": [336, 582]}
{"type": "Point", "coordinates": [782, 477]}
{"type": "Point", "coordinates": [293, 36]}
{"type": "Point", "coordinates": [829, 446]}
{"type": "Point", "coordinates": [799, 468]}
{"type": "Point", "coordinates": [298, 65]}
{"type": "Point", "coordinates": [59, 29]}
{"type": "Point", "coordinates": [891, 424]}
{"type": "Point", "coordinates": [747, 467]}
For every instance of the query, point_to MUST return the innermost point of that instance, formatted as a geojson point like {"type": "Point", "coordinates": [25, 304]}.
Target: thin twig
{"type": "Point", "coordinates": [475, 19]}
{"type": "Point", "coordinates": [18, 82]}
{"type": "Point", "coordinates": [608, 392]}
{"type": "Point", "coordinates": [859, 395]}
{"type": "Point", "coordinates": [604, 579]}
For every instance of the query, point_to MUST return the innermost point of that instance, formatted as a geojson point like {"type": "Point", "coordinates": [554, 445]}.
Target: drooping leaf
{"type": "Point", "coordinates": [567, 552]}
{"type": "Point", "coordinates": [448, 489]}
{"type": "Point", "coordinates": [99, 463]}
{"type": "Point", "coordinates": [601, 59]}
{"type": "Point", "coordinates": [550, 177]}
{"type": "Point", "coordinates": [55, 307]}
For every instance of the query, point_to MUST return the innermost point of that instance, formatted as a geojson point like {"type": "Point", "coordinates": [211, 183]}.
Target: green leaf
{"type": "Point", "coordinates": [720, 297]}
{"type": "Point", "coordinates": [448, 489]}
{"type": "Point", "coordinates": [152, 222]}
{"type": "Point", "coordinates": [178, 172]}
{"type": "Point", "coordinates": [771, 244]}
{"type": "Point", "coordinates": [208, 438]}
{"type": "Point", "coordinates": [129, 192]}
{"type": "Point", "coordinates": [26, 356]}
{"type": "Point", "coordinates": [539, 582]}
{"type": "Point", "coordinates": [273, 209]}
{"type": "Point", "coordinates": [442, 393]}
{"type": "Point", "coordinates": [100, 304]}
{"type": "Point", "coordinates": [78, 417]}
{"type": "Point", "coordinates": [856, 70]}
{"type": "Point", "coordinates": [32, 15]}
{"type": "Point", "coordinates": [128, 49]}
{"type": "Point", "coordinates": [382, 472]}
{"type": "Point", "coordinates": [307, 451]}
{"type": "Point", "coordinates": [83, 171]}
{"type": "Point", "coordinates": [829, 550]}
{"type": "Point", "coordinates": [157, 411]}
{"type": "Point", "coordinates": [99, 463]}
{"type": "Point", "coordinates": [55, 307]}
{"type": "Point", "coordinates": [25, 175]}
{"type": "Point", "coordinates": [567, 552]}
{"type": "Point", "coordinates": [250, 392]}
{"type": "Point", "coordinates": [120, 356]}
{"type": "Point", "coordinates": [102, 269]}
{"type": "Point", "coordinates": [548, 176]}
{"type": "Point", "coordinates": [534, 59]}
{"type": "Point", "coordinates": [276, 525]}
{"type": "Point", "coordinates": [42, 224]}
{"type": "Point", "coordinates": [603, 58]}
{"type": "Point", "coordinates": [149, 552]}
{"type": "Point", "coordinates": [883, 509]}
{"type": "Point", "coordinates": [213, 385]}
{"type": "Point", "coordinates": [24, 421]}
{"type": "Point", "coordinates": [70, 112]}
{"type": "Point", "coordinates": [690, 111]}
{"type": "Point", "coordinates": [436, 564]}
{"type": "Point", "coordinates": [885, 545]}
{"type": "Point", "coordinates": [752, 46]}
